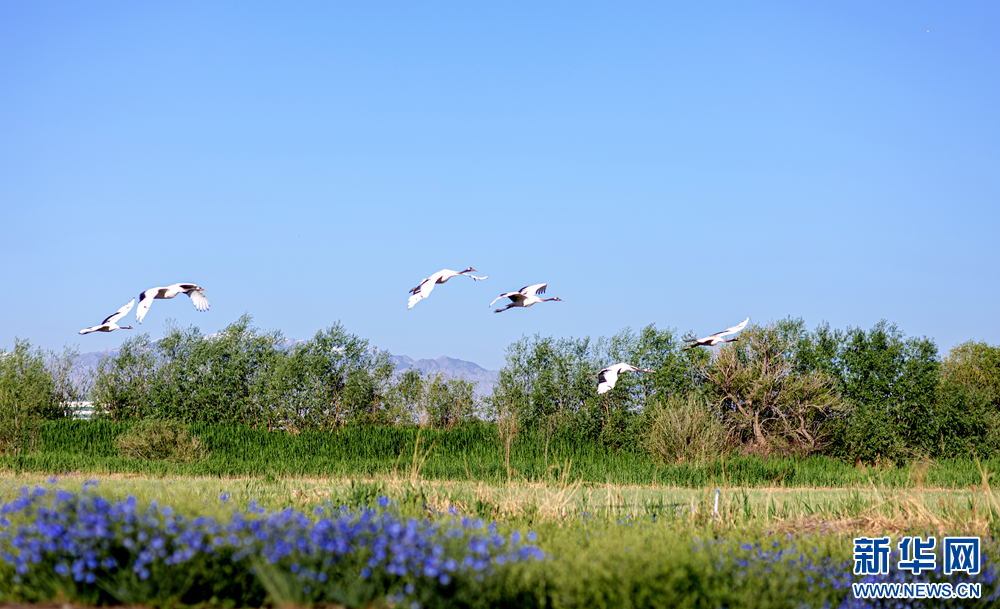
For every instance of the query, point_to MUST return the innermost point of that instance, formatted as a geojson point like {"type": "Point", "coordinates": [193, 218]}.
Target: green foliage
{"type": "Point", "coordinates": [685, 430]}
{"type": "Point", "coordinates": [65, 388]}
{"type": "Point", "coordinates": [333, 379]}
{"type": "Point", "coordinates": [967, 420]}
{"type": "Point", "coordinates": [544, 384]}
{"type": "Point", "coordinates": [123, 383]}
{"type": "Point", "coordinates": [976, 365]}
{"type": "Point", "coordinates": [448, 402]}
{"type": "Point", "coordinates": [242, 376]}
{"type": "Point", "coordinates": [25, 390]}
{"type": "Point", "coordinates": [34, 385]}
{"type": "Point", "coordinates": [764, 402]}
{"type": "Point", "coordinates": [468, 452]}
{"type": "Point", "coordinates": [890, 380]}
{"type": "Point", "coordinates": [405, 398]}
{"type": "Point", "coordinates": [968, 401]}
{"type": "Point", "coordinates": [161, 440]}
{"type": "Point", "coordinates": [218, 379]}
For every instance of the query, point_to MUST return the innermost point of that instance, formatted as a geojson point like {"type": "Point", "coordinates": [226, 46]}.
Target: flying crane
{"type": "Point", "coordinates": [110, 323]}
{"type": "Point", "coordinates": [147, 297]}
{"type": "Point", "coordinates": [525, 297]}
{"type": "Point", "coordinates": [427, 285]}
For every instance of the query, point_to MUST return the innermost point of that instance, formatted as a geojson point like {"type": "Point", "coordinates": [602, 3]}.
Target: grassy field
{"type": "Point", "coordinates": [869, 510]}
{"type": "Point", "coordinates": [604, 546]}
{"type": "Point", "coordinates": [471, 453]}
{"type": "Point", "coordinates": [369, 517]}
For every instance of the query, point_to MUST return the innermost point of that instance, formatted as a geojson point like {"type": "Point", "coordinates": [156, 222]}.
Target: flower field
{"type": "Point", "coordinates": [186, 541]}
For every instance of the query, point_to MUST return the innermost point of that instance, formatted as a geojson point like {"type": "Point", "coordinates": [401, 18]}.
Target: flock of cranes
{"type": "Point", "coordinates": [525, 297]}
{"type": "Point", "coordinates": [145, 300]}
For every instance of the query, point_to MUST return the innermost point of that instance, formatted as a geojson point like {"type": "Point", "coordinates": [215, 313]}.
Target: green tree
{"type": "Point", "coordinates": [976, 365]}
{"type": "Point", "coordinates": [26, 392]}
{"type": "Point", "coordinates": [213, 379]}
{"type": "Point", "coordinates": [968, 401]}
{"type": "Point", "coordinates": [544, 384]}
{"type": "Point", "coordinates": [333, 379]}
{"type": "Point", "coordinates": [404, 398]}
{"type": "Point", "coordinates": [122, 382]}
{"type": "Point", "coordinates": [889, 380]}
{"type": "Point", "coordinates": [448, 402]}
{"type": "Point", "coordinates": [766, 404]}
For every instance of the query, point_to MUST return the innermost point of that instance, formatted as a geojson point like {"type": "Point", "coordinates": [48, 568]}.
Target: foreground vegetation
{"type": "Point", "coordinates": [239, 469]}
{"type": "Point", "coordinates": [251, 543]}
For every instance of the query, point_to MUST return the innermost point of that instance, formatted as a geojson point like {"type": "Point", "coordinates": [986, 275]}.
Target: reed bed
{"type": "Point", "coordinates": [466, 453]}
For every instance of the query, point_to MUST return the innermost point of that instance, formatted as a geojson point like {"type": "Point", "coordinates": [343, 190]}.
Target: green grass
{"type": "Point", "coordinates": [470, 453]}
{"type": "Point", "coordinates": [610, 546]}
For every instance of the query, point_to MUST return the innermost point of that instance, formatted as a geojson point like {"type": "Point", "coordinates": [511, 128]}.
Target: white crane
{"type": "Point", "coordinates": [427, 285]}
{"type": "Point", "coordinates": [147, 297]}
{"type": "Point", "coordinates": [525, 297]}
{"type": "Point", "coordinates": [607, 378]}
{"type": "Point", "coordinates": [717, 338]}
{"type": "Point", "coordinates": [110, 323]}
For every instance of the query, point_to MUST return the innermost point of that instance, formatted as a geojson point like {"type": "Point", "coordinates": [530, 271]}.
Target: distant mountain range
{"type": "Point", "coordinates": [450, 367]}
{"type": "Point", "coordinates": [447, 367]}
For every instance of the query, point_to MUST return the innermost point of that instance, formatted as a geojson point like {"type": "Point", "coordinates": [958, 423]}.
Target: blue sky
{"type": "Point", "coordinates": [684, 166]}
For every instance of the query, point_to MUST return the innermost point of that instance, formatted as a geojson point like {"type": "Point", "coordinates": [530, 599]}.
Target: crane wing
{"type": "Point", "coordinates": [417, 289]}
{"type": "Point", "coordinates": [512, 295]}
{"type": "Point", "coordinates": [420, 292]}
{"type": "Point", "coordinates": [732, 330]}
{"type": "Point", "coordinates": [532, 290]}
{"type": "Point", "coordinates": [122, 312]}
{"type": "Point", "coordinates": [606, 379]}
{"type": "Point", "coordinates": [199, 299]}
{"type": "Point", "coordinates": [145, 300]}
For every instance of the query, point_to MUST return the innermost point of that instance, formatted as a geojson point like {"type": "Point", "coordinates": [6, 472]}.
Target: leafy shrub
{"type": "Point", "coordinates": [764, 402]}
{"type": "Point", "coordinates": [967, 420]}
{"type": "Point", "coordinates": [974, 364]}
{"type": "Point", "coordinates": [890, 381]}
{"type": "Point", "coordinates": [123, 383]}
{"type": "Point", "coordinates": [161, 440]}
{"type": "Point", "coordinates": [333, 379]}
{"type": "Point", "coordinates": [968, 402]}
{"type": "Point", "coordinates": [448, 402]}
{"type": "Point", "coordinates": [26, 392]}
{"type": "Point", "coordinates": [546, 379]}
{"type": "Point", "coordinates": [243, 376]}
{"type": "Point", "coordinates": [685, 430]}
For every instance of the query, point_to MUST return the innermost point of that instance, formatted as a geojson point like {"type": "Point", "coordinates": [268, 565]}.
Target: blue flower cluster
{"type": "Point", "coordinates": [756, 560]}
{"type": "Point", "coordinates": [86, 537]}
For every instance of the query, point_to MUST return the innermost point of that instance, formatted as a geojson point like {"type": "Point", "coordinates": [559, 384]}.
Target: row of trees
{"type": "Point", "coordinates": [243, 376]}
{"type": "Point", "coordinates": [34, 384]}
{"type": "Point", "coordinates": [860, 395]}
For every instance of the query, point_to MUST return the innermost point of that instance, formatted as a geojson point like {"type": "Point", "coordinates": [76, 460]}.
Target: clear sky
{"type": "Point", "coordinates": [661, 163]}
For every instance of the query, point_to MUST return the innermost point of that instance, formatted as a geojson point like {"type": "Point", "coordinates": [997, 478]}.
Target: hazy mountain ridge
{"type": "Point", "coordinates": [450, 367]}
